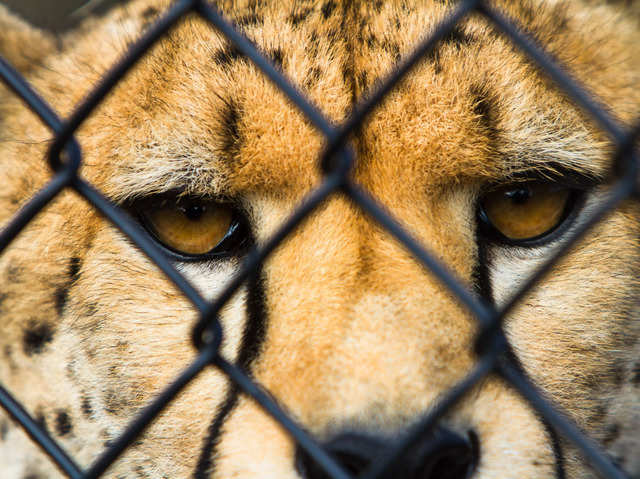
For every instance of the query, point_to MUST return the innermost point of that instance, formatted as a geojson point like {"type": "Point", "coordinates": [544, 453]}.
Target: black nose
{"type": "Point", "coordinates": [442, 455]}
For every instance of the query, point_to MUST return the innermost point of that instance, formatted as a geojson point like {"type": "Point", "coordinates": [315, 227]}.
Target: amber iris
{"type": "Point", "coordinates": [526, 211]}
{"type": "Point", "coordinates": [192, 227]}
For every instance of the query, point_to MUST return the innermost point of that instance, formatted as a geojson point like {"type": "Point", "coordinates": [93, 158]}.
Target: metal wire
{"type": "Point", "coordinates": [336, 160]}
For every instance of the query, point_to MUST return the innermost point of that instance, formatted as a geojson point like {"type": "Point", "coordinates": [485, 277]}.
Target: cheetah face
{"type": "Point", "coordinates": [478, 156]}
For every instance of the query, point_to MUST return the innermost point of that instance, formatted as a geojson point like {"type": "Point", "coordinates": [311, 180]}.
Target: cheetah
{"type": "Point", "coordinates": [476, 153]}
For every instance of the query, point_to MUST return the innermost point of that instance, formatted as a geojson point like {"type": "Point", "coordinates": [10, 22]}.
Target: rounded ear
{"type": "Point", "coordinates": [22, 44]}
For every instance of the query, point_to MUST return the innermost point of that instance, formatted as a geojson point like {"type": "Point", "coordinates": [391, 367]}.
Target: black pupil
{"type": "Point", "coordinates": [519, 196]}
{"type": "Point", "coordinates": [194, 211]}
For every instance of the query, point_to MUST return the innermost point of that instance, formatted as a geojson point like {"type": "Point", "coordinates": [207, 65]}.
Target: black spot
{"type": "Point", "coordinates": [314, 75]}
{"type": "Point", "coordinates": [249, 19]}
{"type": "Point", "coordinates": [60, 299]}
{"type": "Point", "coordinates": [333, 35]}
{"type": "Point", "coordinates": [457, 37]}
{"type": "Point", "coordinates": [4, 429]}
{"type": "Point", "coordinates": [114, 403]}
{"type": "Point", "coordinates": [63, 423]}
{"type": "Point", "coordinates": [599, 412]}
{"type": "Point", "coordinates": [36, 336]}
{"type": "Point", "coordinates": [612, 433]}
{"type": "Point", "coordinates": [312, 47]}
{"type": "Point", "coordinates": [348, 79]}
{"type": "Point", "coordinates": [74, 268]}
{"type": "Point", "coordinates": [277, 57]}
{"type": "Point", "coordinates": [89, 309]}
{"type": "Point", "coordinates": [230, 118]}
{"type": "Point", "coordinates": [149, 13]}
{"type": "Point", "coordinates": [8, 353]}
{"type": "Point", "coordinates": [32, 475]}
{"type": "Point", "coordinates": [559, 17]}
{"type": "Point", "coordinates": [298, 17]}
{"type": "Point", "coordinates": [41, 421]}
{"type": "Point", "coordinates": [363, 80]}
{"type": "Point", "coordinates": [482, 108]}
{"type": "Point", "coordinates": [328, 8]}
{"type": "Point", "coordinates": [70, 369]}
{"type": "Point", "coordinates": [635, 375]}
{"type": "Point", "coordinates": [14, 273]}
{"type": "Point", "coordinates": [392, 48]}
{"type": "Point", "coordinates": [617, 373]}
{"type": "Point", "coordinates": [62, 293]}
{"type": "Point", "coordinates": [485, 109]}
{"type": "Point", "coordinates": [3, 297]}
{"type": "Point", "coordinates": [140, 472]}
{"type": "Point", "coordinates": [227, 56]}
{"type": "Point", "coordinates": [86, 407]}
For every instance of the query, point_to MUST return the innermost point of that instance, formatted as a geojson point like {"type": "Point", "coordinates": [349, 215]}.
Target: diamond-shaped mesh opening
{"type": "Point", "coordinates": [337, 162]}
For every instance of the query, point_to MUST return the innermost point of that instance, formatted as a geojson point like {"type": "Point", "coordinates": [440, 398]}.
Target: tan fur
{"type": "Point", "coordinates": [358, 335]}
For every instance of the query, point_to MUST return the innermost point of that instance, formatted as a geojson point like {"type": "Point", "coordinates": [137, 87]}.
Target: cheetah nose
{"type": "Point", "coordinates": [442, 455]}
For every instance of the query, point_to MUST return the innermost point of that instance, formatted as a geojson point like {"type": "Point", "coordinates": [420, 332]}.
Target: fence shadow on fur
{"type": "Point", "coordinates": [337, 161]}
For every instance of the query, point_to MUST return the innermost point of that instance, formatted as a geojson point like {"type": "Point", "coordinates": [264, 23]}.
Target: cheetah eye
{"type": "Point", "coordinates": [520, 213]}
{"type": "Point", "coordinates": [192, 227]}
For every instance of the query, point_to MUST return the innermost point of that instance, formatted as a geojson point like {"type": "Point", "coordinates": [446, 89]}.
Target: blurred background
{"type": "Point", "coordinates": [58, 15]}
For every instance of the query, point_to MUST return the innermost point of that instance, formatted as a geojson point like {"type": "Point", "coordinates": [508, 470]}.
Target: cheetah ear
{"type": "Point", "coordinates": [22, 44]}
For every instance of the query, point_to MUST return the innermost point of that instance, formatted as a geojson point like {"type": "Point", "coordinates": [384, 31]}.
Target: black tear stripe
{"type": "Point", "coordinates": [481, 272]}
{"type": "Point", "coordinates": [511, 358]}
{"type": "Point", "coordinates": [483, 287]}
{"type": "Point", "coordinates": [250, 347]}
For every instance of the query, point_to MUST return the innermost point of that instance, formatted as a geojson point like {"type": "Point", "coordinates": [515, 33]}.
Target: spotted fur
{"type": "Point", "coordinates": [341, 325]}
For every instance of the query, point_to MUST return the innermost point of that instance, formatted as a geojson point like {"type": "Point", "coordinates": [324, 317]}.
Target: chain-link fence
{"type": "Point", "coordinates": [337, 162]}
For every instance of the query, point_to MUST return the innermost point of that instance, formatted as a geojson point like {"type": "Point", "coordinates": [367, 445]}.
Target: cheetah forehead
{"type": "Point", "coordinates": [204, 118]}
